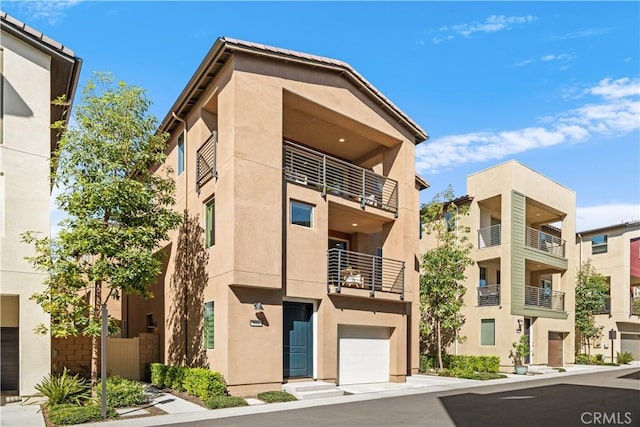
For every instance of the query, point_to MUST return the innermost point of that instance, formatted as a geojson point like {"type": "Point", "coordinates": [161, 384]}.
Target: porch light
{"type": "Point", "coordinates": [519, 326]}
{"type": "Point", "coordinates": [341, 140]}
{"type": "Point", "coordinates": [355, 224]}
{"type": "Point", "coordinates": [258, 307]}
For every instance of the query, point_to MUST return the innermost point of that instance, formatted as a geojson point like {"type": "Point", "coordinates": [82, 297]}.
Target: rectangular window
{"type": "Point", "coordinates": [210, 223]}
{"type": "Point", "coordinates": [181, 153]}
{"type": "Point", "coordinates": [450, 221]}
{"type": "Point", "coordinates": [209, 323]}
{"type": "Point", "coordinates": [599, 244]}
{"type": "Point", "coordinates": [487, 332]}
{"type": "Point", "coordinates": [150, 322]}
{"type": "Point", "coordinates": [483, 277]}
{"type": "Point", "coordinates": [301, 214]}
{"type": "Point", "coordinates": [498, 277]}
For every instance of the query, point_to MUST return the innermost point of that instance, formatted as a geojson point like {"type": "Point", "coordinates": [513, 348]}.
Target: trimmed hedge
{"type": "Point", "coordinates": [174, 377]}
{"type": "Point", "coordinates": [158, 374]}
{"type": "Point", "coordinates": [74, 414]}
{"type": "Point", "coordinates": [276, 396]}
{"type": "Point", "coordinates": [123, 393]}
{"type": "Point", "coordinates": [461, 363]}
{"type": "Point", "coordinates": [204, 383]}
{"type": "Point", "coordinates": [219, 402]}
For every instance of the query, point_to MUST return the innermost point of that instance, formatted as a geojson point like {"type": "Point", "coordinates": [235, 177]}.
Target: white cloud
{"type": "Point", "coordinates": [492, 24]}
{"type": "Point", "coordinates": [590, 217]}
{"type": "Point", "coordinates": [590, 32]}
{"type": "Point", "coordinates": [617, 113]}
{"type": "Point", "coordinates": [51, 11]}
{"type": "Point", "coordinates": [562, 58]}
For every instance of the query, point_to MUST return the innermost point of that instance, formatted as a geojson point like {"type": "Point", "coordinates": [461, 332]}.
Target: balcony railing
{"type": "Point", "coordinates": [489, 236]}
{"type": "Point", "coordinates": [488, 295]}
{"type": "Point", "coordinates": [543, 298]}
{"type": "Point", "coordinates": [544, 242]}
{"type": "Point", "coordinates": [206, 161]}
{"type": "Point", "coordinates": [334, 176]}
{"type": "Point", "coordinates": [635, 306]}
{"type": "Point", "coordinates": [370, 272]}
{"type": "Point", "coordinates": [605, 308]}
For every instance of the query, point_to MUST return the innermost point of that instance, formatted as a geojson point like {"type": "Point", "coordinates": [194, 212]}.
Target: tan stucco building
{"type": "Point", "coordinates": [298, 260]}
{"type": "Point", "coordinates": [614, 251]}
{"type": "Point", "coordinates": [35, 70]}
{"type": "Point", "coordinates": [523, 233]}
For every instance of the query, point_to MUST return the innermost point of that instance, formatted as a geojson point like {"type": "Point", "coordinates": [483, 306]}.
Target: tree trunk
{"type": "Point", "coordinates": [97, 304]}
{"type": "Point", "coordinates": [439, 344]}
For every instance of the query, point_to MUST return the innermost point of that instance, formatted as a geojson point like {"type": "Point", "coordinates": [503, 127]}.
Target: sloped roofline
{"type": "Point", "coordinates": [224, 47]}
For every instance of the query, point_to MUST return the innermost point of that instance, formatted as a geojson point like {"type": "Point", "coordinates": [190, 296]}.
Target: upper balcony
{"type": "Point", "coordinates": [330, 175]}
{"type": "Point", "coordinates": [489, 236]}
{"type": "Point", "coordinates": [544, 242]}
{"type": "Point", "coordinates": [539, 297]}
{"type": "Point", "coordinates": [363, 271]}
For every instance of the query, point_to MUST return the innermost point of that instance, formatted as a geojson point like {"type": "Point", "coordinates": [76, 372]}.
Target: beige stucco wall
{"type": "Point", "coordinates": [245, 105]}
{"type": "Point", "coordinates": [24, 163]}
{"type": "Point", "coordinates": [615, 264]}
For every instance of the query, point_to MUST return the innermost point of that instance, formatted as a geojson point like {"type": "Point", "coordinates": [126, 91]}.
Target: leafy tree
{"type": "Point", "coordinates": [118, 205]}
{"type": "Point", "coordinates": [443, 271]}
{"type": "Point", "coordinates": [591, 290]}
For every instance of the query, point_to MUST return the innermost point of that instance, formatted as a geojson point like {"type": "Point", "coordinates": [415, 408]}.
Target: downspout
{"type": "Point", "coordinates": [185, 287]}
{"type": "Point", "coordinates": [580, 250]}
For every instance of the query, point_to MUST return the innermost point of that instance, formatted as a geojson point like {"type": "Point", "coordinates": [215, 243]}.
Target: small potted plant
{"type": "Point", "coordinates": [518, 353]}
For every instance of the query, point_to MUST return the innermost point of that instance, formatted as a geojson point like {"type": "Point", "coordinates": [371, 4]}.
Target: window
{"type": "Point", "coordinates": [210, 223]}
{"type": "Point", "coordinates": [209, 323]}
{"type": "Point", "coordinates": [498, 277]}
{"type": "Point", "coordinates": [450, 221]}
{"type": "Point", "coordinates": [150, 322]}
{"type": "Point", "coordinates": [181, 153]}
{"type": "Point", "coordinates": [487, 332]}
{"type": "Point", "coordinates": [483, 277]}
{"type": "Point", "coordinates": [301, 214]}
{"type": "Point", "coordinates": [599, 244]}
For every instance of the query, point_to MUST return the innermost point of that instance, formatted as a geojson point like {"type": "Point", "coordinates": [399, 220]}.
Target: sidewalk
{"type": "Point", "coordinates": [181, 411]}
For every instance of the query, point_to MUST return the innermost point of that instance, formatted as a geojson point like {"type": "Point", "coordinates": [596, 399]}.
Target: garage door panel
{"type": "Point", "coordinates": [363, 355]}
{"type": "Point", "coordinates": [630, 343]}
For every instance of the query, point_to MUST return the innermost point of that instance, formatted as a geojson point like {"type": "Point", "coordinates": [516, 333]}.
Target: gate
{"type": "Point", "coordinates": [123, 357]}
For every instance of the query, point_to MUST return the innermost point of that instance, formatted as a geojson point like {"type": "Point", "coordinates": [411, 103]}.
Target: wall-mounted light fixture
{"type": "Point", "coordinates": [258, 307]}
{"type": "Point", "coordinates": [519, 326]}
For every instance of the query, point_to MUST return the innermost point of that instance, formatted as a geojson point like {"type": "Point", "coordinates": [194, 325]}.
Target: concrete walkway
{"type": "Point", "coordinates": [180, 411]}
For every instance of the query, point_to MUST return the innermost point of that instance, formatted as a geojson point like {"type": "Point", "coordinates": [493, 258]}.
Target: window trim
{"type": "Point", "coordinates": [482, 321]}
{"type": "Point", "coordinates": [210, 229]}
{"type": "Point", "coordinates": [181, 154]}
{"type": "Point", "coordinates": [304, 204]}
{"type": "Point", "coordinates": [600, 247]}
{"type": "Point", "coordinates": [205, 311]}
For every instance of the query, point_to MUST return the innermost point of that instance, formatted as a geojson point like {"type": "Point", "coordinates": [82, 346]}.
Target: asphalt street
{"type": "Point", "coordinates": [599, 399]}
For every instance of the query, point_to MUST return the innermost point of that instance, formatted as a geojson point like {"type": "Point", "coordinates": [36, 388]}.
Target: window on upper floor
{"type": "Point", "coordinates": [181, 153]}
{"type": "Point", "coordinates": [210, 222]}
{"type": "Point", "coordinates": [209, 323]}
{"type": "Point", "coordinates": [599, 244]}
{"type": "Point", "coordinates": [301, 214]}
{"type": "Point", "coordinates": [449, 221]}
{"type": "Point", "coordinates": [483, 277]}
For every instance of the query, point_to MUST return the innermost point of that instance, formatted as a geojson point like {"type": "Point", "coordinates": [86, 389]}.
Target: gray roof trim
{"type": "Point", "coordinates": [228, 45]}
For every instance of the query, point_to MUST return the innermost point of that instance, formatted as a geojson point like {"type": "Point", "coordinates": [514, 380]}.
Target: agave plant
{"type": "Point", "coordinates": [64, 388]}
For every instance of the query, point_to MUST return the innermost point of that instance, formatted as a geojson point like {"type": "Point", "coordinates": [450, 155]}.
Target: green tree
{"type": "Point", "coordinates": [118, 201]}
{"type": "Point", "coordinates": [591, 290]}
{"type": "Point", "coordinates": [443, 271]}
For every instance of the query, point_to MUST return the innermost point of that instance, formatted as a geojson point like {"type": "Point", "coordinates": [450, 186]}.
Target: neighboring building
{"type": "Point", "coordinates": [523, 232]}
{"type": "Point", "coordinates": [35, 70]}
{"type": "Point", "coordinates": [614, 251]}
{"type": "Point", "coordinates": [302, 178]}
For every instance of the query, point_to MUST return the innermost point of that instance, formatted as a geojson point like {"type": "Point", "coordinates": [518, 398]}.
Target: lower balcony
{"type": "Point", "coordinates": [364, 272]}
{"type": "Point", "coordinates": [635, 306]}
{"type": "Point", "coordinates": [488, 295]}
{"type": "Point", "coordinates": [539, 297]}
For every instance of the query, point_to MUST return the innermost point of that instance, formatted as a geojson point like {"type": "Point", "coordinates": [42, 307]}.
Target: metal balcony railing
{"type": "Point", "coordinates": [334, 176]}
{"type": "Point", "coordinates": [635, 306]}
{"type": "Point", "coordinates": [544, 242]}
{"type": "Point", "coordinates": [543, 298]}
{"type": "Point", "coordinates": [364, 271]}
{"type": "Point", "coordinates": [489, 236]}
{"type": "Point", "coordinates": [605, 308]}
{"type": "Point", "coordinates": [206, 161]}
{"type": "Point", "coordinates": [488, 295]}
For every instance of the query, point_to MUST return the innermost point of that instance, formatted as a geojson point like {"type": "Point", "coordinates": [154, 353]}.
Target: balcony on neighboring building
{"type": "Point", "coordinates": [544, 242]}
{"type": "Point", "coordinates": [330, 175]}
{"type": "Point", "coordinates": [489, 236]}
{"type": "Point", "coordinates": [547, 298]}
{"type": "Point", "coordinates": [488, 295]}
{"type": "Point", "coordinates": [363, 271]}
{"type": "Point", "coordinates": [635, 306]}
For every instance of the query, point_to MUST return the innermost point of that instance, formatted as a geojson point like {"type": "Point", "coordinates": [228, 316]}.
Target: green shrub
{"type": "Point", "coordinates": [482, 376]}
{"type": "Point", "coordinates": [583, 359]}
{"type": "Point", "coordinates": [204, 383]}
{"type": "Point", "coordinates": [64, 388]}
{"type": "Point", "coordinates": [560, 369]}
{"type": "Point", "coordinates": [598, 359]}
{"type": "Point", "coordinates": [158, 373]}
{"type": "Point", "coordinates": [276, 396]}
{"type": "Point", "coordinates": [174, 377]}
{"type": "Point", "coordinates": [74, 414]}
{"type": "Point", "coordinates": [474, 363]}
{"type": "Point", "coordinates": [122, 392]}
{"type": "Point", "coordinates": [624, 357]}
{"type": "Point", "coordinates": [218, 402]}
{"type": "Point", "coordinates": [430, 361]}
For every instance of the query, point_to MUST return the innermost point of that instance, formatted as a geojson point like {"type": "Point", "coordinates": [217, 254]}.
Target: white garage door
{"type": "Point", "coordinates": [363, 354]}
{"type": "Point", "coordinates": [631, 344]}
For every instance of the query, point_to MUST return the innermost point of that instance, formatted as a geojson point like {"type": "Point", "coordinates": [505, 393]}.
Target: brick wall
{"type": "Point", "coordinates": [148, 352]}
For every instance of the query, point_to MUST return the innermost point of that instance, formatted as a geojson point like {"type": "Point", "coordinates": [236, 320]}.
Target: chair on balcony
{"type": "Point", "coordinates": [352, 278]}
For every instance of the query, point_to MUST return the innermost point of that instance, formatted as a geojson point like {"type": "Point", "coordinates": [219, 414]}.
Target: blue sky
{"type": "Point", "coordinates": [553, 85]}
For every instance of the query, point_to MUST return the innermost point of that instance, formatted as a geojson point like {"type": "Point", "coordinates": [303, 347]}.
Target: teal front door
{"type": "Point", "coordinates": [298, 339]}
